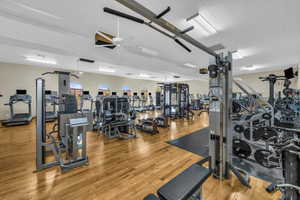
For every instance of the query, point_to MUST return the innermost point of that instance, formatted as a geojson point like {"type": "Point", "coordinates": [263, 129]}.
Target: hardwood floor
{"type": "Point", "coordinates": [118, 169]}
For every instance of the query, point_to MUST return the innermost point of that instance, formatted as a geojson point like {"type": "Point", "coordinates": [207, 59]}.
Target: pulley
{"type": "Point", "coordinates": [267, 116]}
{"type": "Point", "coordinates": [239, 128]}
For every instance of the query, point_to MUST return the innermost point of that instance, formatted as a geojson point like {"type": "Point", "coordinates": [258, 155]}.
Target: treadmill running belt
{"type": "Point", "coordinates": [197, 143]}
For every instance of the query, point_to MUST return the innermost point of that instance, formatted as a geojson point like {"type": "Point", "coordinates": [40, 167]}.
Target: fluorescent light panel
{"type": "Point", "coordinates": [149, 51]}
{"type": "Point", "coordinates": [251, 68]}
{"type": "Point", "coordinates": [236, 55]}
{"type": "Point", "coordinates": [41, 60]}
{"type": "Point", "coordinates": [144, 75]}
{"type": "Point", "coordinates": [190, 65]}
{"type": "Point", "coordinates": [202, 24]}
{"type": "Point", "coordinates": [108, 70]}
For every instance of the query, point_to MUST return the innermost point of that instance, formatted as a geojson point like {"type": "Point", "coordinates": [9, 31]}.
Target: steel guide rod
{"type": "Point", "coordinates": [145, 12]}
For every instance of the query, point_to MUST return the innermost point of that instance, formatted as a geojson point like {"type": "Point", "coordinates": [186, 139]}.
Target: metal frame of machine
{"type": "Point", "coordinates": [67, 141]}
{"type": "Point", "coordinates": [220, 119]}
{"type": "Point", "coordinates": [176, 100]}
{"type": "Point", "coordinates": [85, 96]}
{"type": "Point", "coordinates": [51, 100]}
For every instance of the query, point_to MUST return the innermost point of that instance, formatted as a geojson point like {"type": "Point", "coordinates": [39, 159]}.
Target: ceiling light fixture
{"type": "Point", "coordinates": [108, 70]}
{"type": "Point", "coordinates": [149, 51]}
{"type": "Point", "coordinates": [251, 68]}
{"type": "Point", "coordinates": [145, 75]}
{"type": "Point", "coordinates": [202, 24]}
{"type": "Point", "coordinates": [236, 55]}
{"type": "Point", "coordinates": [40, 59]}
{"type": "Point", "coordinates": [190, 65]}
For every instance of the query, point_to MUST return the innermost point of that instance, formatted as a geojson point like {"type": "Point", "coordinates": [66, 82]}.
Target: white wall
{"type": "Point", "coordinates": [15, 76]}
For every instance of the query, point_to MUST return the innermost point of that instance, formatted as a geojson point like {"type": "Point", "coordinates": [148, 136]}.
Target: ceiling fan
{"type": "Point", "coordinates": [107, 40]}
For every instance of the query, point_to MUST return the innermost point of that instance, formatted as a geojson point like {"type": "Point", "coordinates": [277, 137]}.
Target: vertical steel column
{"type": "Point", "coordinates": [220, 87]}
{"type": "Point", "coordinates": [40, 123]}
{"type": "Point", "coordinates": [63, 87]}
{"type": "Point", "coordinates": [291, 170]}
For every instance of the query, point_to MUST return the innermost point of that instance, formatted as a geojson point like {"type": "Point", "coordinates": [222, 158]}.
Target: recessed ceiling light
{"type": "Point", "coordinates": [190, 65]}
{"type": "Point", "coordinates": [202, 24]}
{"type": "Point", "coordinates": [40, 59]}
{"type": "Point", "coordinates": [251, 68]}
{"type": "Point", "coordinates": [108, 70]}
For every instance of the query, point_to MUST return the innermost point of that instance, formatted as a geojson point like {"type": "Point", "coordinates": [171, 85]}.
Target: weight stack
{"type": "Point", "coordinates": [291, 173]}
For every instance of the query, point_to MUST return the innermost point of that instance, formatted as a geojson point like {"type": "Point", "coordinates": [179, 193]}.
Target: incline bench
{"type": "Point", "coordinates": [185, 185]}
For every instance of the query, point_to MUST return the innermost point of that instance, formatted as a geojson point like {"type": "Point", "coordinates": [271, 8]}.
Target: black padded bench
{"type": "Point", "coordinates": [184, 185]}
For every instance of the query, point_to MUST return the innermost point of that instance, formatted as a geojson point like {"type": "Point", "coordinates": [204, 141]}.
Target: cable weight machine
{"type": "Point", "coordinates": [66, 143]}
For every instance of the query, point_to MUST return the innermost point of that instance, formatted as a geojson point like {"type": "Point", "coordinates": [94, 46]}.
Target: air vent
{"type": "Point", "coordinates": [86, 60]}
{"type": "Point", "coordinates": [217, 47]}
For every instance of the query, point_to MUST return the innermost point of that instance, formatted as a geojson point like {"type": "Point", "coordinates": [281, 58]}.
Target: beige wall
{"type": "Point", "coordinates": [15, 76]}
{"type": "Point", "coordinates": [198, 86]}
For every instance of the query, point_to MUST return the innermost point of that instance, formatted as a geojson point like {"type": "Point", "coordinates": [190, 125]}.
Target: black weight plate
{"type": "Point", "coordinates": [256, 136]}
{"type": "Point", "coordinates": [241, 148]}
{"type": "Point", "coordinates": [261, 157]}
{"type": "Point", "coordinates": [266, 133]}
{"type": "Point", "coordinates": [236, 108]}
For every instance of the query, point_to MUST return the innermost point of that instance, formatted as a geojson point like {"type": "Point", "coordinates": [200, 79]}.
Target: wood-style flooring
{"type": "Point", "coordinates": [118, 169]}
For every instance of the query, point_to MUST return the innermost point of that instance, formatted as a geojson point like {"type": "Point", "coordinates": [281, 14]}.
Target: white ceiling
{"type": "Point", "coordinates": [267, 32]}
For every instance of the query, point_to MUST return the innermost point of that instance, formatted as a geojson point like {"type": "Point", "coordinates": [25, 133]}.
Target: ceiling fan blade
{"type": "Point", "coordinates": [123, 15]}
{"type": "Point", "coordinates": [105, 45]}
{"type": "Point", "coordinates": [182, 45]}
{"type": "Point", "coordinates": [103, 35]}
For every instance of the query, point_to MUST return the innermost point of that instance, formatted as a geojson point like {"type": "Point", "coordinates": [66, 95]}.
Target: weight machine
{"type": "Point", "coordinates": [19, 118]}
{"type": "Point", "coordinates": [66, 143]}
{"type": "Point", "coordinates": [287, 108]}
{"type": "Point", "coordinates": [186, 185]}
{"type": "Point", "coordinates": [118, 121]}
{"type": "Point", "coordinates": [158, 100]}
{"type": "Point", "coordinates": [176, 100]}
{"type": "Point", "coordinates": [51, 101]}
{"type": "Point", "coordinates": [86, 97]}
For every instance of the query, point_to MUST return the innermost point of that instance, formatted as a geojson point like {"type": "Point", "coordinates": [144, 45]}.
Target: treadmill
{"type": "Point", "coordinates": [51, 101]}
{"type": "Point", "coordinates": [19, 118]}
